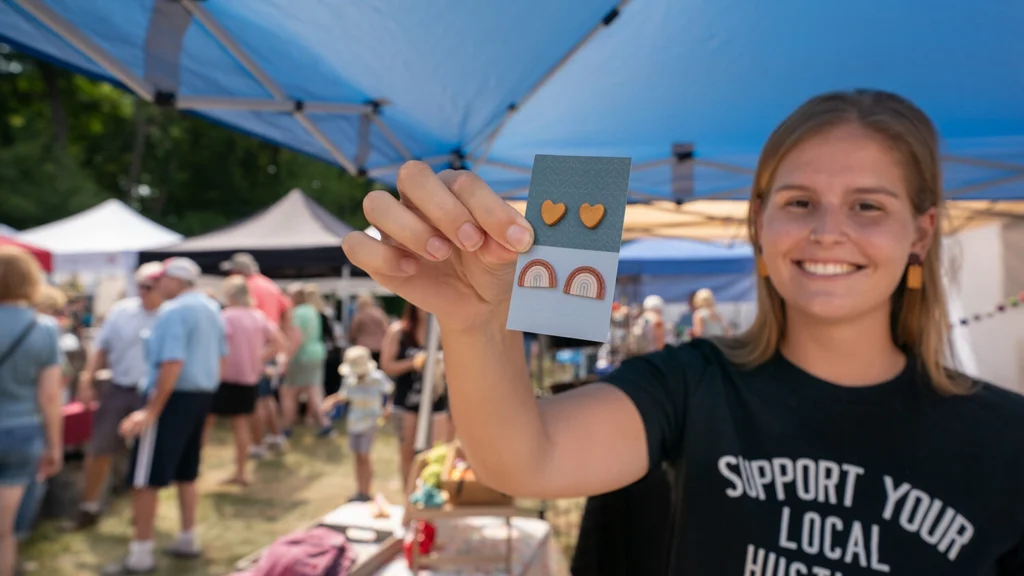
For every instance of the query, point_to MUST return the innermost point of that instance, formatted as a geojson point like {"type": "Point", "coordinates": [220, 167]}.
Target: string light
{"type": "Point", "coordinates": [1002, 307]}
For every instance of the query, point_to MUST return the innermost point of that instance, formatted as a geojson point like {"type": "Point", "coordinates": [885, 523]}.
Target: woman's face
{"type": "Point", "coordinates": [837, 228]}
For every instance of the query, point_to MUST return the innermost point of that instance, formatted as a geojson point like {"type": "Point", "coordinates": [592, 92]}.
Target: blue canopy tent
{"type": "Point", "coordinates": [673, 257]}
{"type": "Point", "coordinates": [674, 268]}
{"type": "Point", "coordinates": [688, 89]}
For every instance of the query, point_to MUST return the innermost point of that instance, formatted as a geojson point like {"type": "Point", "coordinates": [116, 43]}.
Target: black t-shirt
{"type": "Point", "coordinates": [409, 386]}
{"type": "Point", "coordinates": [786, 474]}
{"type": "Point", "coordinates": [626, 531]}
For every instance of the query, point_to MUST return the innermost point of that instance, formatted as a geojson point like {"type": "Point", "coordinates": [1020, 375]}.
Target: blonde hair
{"type": "Point", "coordinates": [920, 322]}
{"type": "Point", "coordinates": [296, 293]}
{"type": "Point", "coordinates": [311, 295]}
{"type": "Point", "coordinates": [50, 300]}
{"type": "Point", "coordinates": [704, 298]}
{"type": "Point", "coordinates": [236, 291]}
{"type": "Point", "coordinates": [20, 275]}
{"type": "Point", "coordinates": [365, 300]}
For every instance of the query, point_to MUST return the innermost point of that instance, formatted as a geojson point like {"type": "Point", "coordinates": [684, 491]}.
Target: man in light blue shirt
{"type": "Point", "coordinates": [186, 351]}
{"type": "Point", "coordinates": [188, 330]}
{"type": "Point", "coordinates": [119, 346]}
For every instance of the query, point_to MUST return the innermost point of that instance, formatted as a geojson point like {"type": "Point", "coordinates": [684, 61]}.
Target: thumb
{"type": "Point", "coordinates": [494, 255]}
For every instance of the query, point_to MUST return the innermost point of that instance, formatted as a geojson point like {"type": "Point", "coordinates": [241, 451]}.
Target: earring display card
{"type": "Point", "coordinates": [565, 284]}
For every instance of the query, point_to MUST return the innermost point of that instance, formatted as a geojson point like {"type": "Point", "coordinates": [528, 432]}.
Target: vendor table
{"type": "Point", "coordinates": [470, 540]}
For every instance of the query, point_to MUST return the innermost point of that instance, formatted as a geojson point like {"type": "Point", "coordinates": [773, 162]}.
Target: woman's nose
{"type": "Point", "coordinates": [829, 225]}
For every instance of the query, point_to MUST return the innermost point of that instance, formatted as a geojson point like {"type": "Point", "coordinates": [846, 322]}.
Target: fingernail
{"type": "Point", "coordinates": [439, 247]}
{"type": "Point", "coordinates": [470, 236]}
{"type": "Point", "coordinates": [519, 237]}
{"type": "Point", "coordinates": [407, 265]}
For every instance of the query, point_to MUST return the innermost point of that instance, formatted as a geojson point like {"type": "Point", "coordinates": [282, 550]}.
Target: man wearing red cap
{"type": "Point", "coordinates": [119, 346]}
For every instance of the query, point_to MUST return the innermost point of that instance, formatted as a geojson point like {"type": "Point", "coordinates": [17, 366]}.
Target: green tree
{"type": "Point", "coordinates": [68, 142]}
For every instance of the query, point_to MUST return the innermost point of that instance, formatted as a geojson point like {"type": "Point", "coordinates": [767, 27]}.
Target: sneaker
{"type": "Point", "coordinates": [257, 452]}
{"type": "Point", "coordinates": [83, 520]}
{"type": "Point", "coordinates": [125, 567]}
{"type": "Point", "coordinates": [183, 549]}
{"type": "Point", "coordinates": [275, 443]}
{"type": "Point", "coordinates": [326, 432]}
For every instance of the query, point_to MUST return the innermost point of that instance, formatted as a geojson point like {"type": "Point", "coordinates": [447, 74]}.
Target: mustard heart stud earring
{"type": "Point", "coordinates": [552, 213]}
{"type": "Point", "coordinates": [591, 216]}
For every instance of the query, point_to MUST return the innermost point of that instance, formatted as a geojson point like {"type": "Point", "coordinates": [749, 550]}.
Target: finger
{"type": "Point", "coordinates": [420, 187]}
{"type": "Point", "coordinates": [500, 220]}
{"type": "Point", "coordinates": [377, 258]}
{"type": "Point", "coordinates": [404, 227]}
{"type": "Point", "coordinates": [496, 255]}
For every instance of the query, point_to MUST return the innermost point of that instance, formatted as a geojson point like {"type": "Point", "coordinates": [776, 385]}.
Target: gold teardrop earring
{"type": "Point", "coordinates": [915, 273]}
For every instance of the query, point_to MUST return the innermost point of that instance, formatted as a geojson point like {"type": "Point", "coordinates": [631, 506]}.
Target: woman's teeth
{"type": "Point", "coordinates": [828, 268]}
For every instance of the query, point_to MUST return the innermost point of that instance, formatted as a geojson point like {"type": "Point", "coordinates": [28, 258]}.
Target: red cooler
{"type": "Point", "coordinates": [77, 424]}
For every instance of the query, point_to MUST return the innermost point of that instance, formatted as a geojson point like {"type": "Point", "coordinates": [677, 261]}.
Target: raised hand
{"type": "Point", "coordinates": [449, 245]}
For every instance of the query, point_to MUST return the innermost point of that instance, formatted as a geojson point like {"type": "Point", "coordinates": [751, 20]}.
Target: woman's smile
{"type": "Point", "coordinates": [828, 268]}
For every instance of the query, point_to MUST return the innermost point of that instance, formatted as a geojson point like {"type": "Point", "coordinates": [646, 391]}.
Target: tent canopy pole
{"type": "Point", "coordinates": [426, 413]}
{"type": "Point", "coordinates": [70, 34]}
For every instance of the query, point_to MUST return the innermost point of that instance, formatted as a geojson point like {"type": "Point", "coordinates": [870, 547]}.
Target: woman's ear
{"type": "Point", "coordinates": [925, 231]}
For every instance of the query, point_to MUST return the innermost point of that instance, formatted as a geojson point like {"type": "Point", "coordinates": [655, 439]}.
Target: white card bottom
{"type": "Point", "coordinates": [550, 310]}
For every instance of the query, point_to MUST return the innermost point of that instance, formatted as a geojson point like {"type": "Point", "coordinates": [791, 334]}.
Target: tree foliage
{"type": "Point", "coordinates": [68, 142]}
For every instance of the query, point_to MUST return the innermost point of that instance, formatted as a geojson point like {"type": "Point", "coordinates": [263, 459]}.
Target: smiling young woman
{"type": "Point", "coordinates": [827, 439]}
{"type": "Point", "coordinates": [848, 188]}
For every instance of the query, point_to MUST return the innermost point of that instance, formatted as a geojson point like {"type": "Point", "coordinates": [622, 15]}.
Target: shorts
{"type": "Point", "coordinates": [28, 512]}
{"type": "Point", "coordinates": [116, 403]}
{"type": "Point", "coordinates": [264, 388]}
{"type": "Point", "coordinates": [169, 450]}
{"type": "Point", "coordinates": [397, 419]}
{"type": "Point", "coordinates": [234, 399]}
{"type": "Point", "coordinates": [302, 374]}
{"type": "Point", "coordinates": [21, 448]}
{"type": "Point", "coordinates": [360, 442]}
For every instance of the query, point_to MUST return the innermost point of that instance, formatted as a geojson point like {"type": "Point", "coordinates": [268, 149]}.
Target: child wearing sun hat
{"type": "Point", "coordinates": [364, 387]}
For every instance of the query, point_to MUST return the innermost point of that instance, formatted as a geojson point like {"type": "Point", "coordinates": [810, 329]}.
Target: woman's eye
{"type": "Point", "coordinates": [799, 203]}
{"type": "Point", "coordinates": [867, 207]}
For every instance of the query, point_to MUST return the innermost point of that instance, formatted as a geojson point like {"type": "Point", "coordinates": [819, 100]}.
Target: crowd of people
{"type": "Point", "coordinates": [175, 358]}
{"type": "Point", "coordinates": [642, 329]}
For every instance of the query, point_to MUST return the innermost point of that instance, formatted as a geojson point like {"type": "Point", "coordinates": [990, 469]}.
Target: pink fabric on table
{"type": "Point", "coordinates": [249, 332]}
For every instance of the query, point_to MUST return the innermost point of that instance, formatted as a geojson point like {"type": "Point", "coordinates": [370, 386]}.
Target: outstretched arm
{"type": "Point", "coordinates": [584, 442]}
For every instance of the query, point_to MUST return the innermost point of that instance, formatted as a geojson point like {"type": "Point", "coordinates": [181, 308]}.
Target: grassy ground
{"type": "Point", "coordinates": [290, 491]}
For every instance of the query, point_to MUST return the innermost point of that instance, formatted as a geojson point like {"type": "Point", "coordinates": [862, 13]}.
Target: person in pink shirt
{"type": "Point", "coordinates": [252, 340]}
{"type": "Point", "coordinates": [268, 297]}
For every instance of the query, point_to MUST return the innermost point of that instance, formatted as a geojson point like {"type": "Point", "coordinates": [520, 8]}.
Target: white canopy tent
{"type": "Point", "coordinates": [6, 230]}
{"type": "Point", "coordinates": [100, 241]}
{"type": "Point", "coordinates": [983, 270]}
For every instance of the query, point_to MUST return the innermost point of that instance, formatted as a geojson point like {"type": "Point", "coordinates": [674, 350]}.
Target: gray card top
{"type": "Point", "coordinates": [574, 180]}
